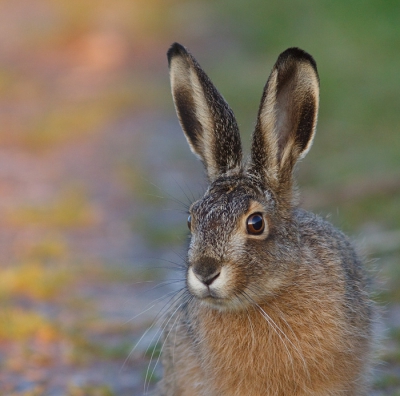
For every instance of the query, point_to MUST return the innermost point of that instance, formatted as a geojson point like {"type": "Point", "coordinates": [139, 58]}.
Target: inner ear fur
{"type": "Point", "coordinates": [206, 119]}
{"type": "Point", "coordinates": [287, 117]}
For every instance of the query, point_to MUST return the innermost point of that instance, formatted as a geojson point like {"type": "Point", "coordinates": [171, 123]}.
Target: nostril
{"type": "Point", "coordinates": [207, 279]}
{"type": "Point", "coordinates": [210, 279]}
{"type": "Point", "coordinates": [206, 270]}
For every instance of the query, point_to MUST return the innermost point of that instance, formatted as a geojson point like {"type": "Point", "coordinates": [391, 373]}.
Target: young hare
{"type": "Point", "coordinates": [276, 300]}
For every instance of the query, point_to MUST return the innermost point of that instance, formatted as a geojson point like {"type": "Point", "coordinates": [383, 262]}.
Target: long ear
{"type": "Point", "coordinates": [206, 119]}
{"type": "Point", "coordinates": [286, 119]}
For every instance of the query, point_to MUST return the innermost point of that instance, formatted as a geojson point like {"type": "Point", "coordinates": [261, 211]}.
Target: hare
{"type": "Point", "coordinates": [276, 301]}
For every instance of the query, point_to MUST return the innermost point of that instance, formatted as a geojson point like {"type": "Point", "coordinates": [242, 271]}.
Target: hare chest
{"type": "Point", "coordinates": [258, 353]}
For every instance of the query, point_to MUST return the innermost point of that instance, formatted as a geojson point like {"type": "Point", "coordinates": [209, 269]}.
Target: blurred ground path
{"type": "Point", "coordinates": [85, 155]}
{"type": "Point", "coordinates": [77, 262]}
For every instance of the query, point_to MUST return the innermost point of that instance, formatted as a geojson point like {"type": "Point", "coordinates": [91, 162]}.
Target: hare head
{"type": "Point", "coordinates": [243, 233]}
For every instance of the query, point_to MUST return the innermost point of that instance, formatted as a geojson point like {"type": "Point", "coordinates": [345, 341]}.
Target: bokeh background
{"type": "Point", "coordinates": [93, 167]}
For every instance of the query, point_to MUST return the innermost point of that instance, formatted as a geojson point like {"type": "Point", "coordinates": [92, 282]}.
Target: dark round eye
{"type": "Point", "coordinates": [189, 222]}
{"type": "Point", "coordinates": [255, 224]}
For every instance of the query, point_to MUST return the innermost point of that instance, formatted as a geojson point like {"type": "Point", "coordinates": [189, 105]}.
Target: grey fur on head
{"type": "Point", "coordinates": [276, 300]}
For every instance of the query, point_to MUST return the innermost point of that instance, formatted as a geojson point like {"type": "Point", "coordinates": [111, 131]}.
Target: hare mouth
{"type": "Point", "coordinates": [205, 290]}
{"type": "Point", "coordinates": [223, 304]}
{"type": "Point", "coordinates": [217, 294]}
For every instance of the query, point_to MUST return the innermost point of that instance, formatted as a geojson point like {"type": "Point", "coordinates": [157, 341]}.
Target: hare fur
{"type": "Point", "coordinates": [276, 301]}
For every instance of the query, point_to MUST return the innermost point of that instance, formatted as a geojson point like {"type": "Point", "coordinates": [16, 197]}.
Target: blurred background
{"type": "Point", "coordinates": [95, 172]}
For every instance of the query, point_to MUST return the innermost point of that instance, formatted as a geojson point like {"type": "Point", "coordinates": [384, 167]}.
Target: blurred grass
{"type": "Point", "coordinates": [379, 209]}
{"type": "Point", "coordinates": [20, 325]}
{"type": "Point", "coordinates": [95, 390]}
{"type": "Point", "coordinates": [33, 280]}
{"type": "Point", "coordinates": [354, 44]}
{"type": "Point", "coordinates": [70, 209]}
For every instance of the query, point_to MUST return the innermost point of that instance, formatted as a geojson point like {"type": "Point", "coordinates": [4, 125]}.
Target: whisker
{"type": "Point", "coordinates": [158, 317]}
{"type": "Point", "coordinates": [245, 306]}
{"type": "Point", "coordinates": [174, 263]}
{"type": "Point", "coordinates": [282, 316]}
{"type": "Point", "coordinates": [182, 256]}
{"type": "Point", "coordinates": [175, 210]}
{"type": "Point", "coordinates": [165, 340]}
{"type": "Point", "coordinates": [154, 303]}
{"type": "Point", "coordinates": [183, 191]}
{"type": "Point", "coordinates": [273, 325]}
{"type": "Point", "coordinates": [187, 299]}
{"type": "Point", "coordinates": [299, 352]}
{"type": "Point", "coordinates": [191, 192]}
{"type": "Point", "coordinates": [165, 283]}
{"type": "Point", "coordinates": [158, 339]}
{"type": "Point", "coordinates": [171, 197]}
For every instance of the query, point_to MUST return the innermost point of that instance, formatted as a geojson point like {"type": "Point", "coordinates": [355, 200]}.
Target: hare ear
{"type": "Point", "coordinates": [287, 117]}
{"type": "Point", "coordinates": [206, 119]}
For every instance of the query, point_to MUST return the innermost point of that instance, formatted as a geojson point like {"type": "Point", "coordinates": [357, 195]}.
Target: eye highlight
{"type": "Point", "coordinates": [255, 224]}
{"type": "Point", "coordinates": [189, 222]}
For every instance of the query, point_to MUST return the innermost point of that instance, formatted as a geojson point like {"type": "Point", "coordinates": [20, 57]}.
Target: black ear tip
{"type": "Point", "coordinates": [176, 49]}
{"type": "Point", "coordinates": [296, 54]}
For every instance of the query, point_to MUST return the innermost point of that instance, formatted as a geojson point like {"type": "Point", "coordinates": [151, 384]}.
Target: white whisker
{"type": "Point", "coordinates": [275, 327]}
{"type": "Point", "coordinates": [163, 327]}
{"type": "Point", "coordinates": [159, 316]}
{"type": "Point", "coordinates": [165, 340]}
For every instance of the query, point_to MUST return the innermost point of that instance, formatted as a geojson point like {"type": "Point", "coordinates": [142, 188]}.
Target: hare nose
{"type": "Point", "coordinates": [207, 271]}
{"type": "Point", "coordinates": [210, 279]}
{"type": "Point", "coordinates": [207, 280]}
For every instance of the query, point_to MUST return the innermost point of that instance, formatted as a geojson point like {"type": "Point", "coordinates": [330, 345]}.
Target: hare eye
{"type": "Point", "coordinates": [189, 222]}
{"type": "Point", "coordinates": [255, 224]}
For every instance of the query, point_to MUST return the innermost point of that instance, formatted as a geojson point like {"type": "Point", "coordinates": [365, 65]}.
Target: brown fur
{"type": "Point", "coordinates": [284, 312]}
{"type": "Point", "coordinates": [309, 347]}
